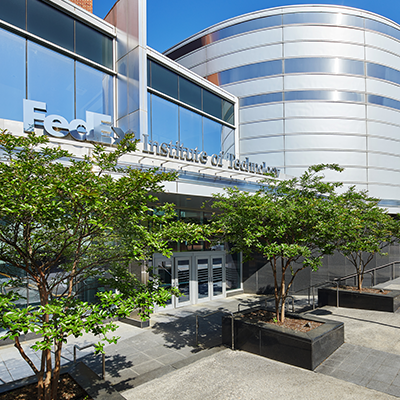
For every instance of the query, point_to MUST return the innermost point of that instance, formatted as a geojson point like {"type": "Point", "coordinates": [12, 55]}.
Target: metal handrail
{"type": "Point", "coordinates": [103, 356]}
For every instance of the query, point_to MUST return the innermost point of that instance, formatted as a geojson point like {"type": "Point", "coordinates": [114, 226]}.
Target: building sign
{"type": "Point", "coordinates": [178, 152]}
{"type": "Point", "coordinates": [97, 127]}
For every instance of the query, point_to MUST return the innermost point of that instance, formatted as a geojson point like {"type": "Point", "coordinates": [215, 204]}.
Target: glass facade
{"type": "Point", "coordinates": [68, 87]}
{"type": "Point", "coordinates": [173, 85]}
{"type": "Point", "coordinates": [48, 23]}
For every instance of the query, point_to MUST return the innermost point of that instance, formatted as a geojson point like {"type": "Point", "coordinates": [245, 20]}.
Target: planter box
{"type": "Point", "coordinates": [389, 302]}
{"type": "Point", "coordinates": [305, 350]}
{"type": "Point", "coordinates": [136, 321]}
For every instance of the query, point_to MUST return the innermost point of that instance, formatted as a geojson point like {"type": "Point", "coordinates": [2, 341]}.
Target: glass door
{"type": "Point", "coordinates": [182, 281]}
{"type": "Point", "coordinates": [217, 271]}
{"type": "Point", "coordinates": [203, 278]}
{"type": "Point", "coordinates": [164, 269]}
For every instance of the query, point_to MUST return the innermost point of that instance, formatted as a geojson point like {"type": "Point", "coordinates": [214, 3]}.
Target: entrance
{"type": "Point", "coordinates": [199, 276]}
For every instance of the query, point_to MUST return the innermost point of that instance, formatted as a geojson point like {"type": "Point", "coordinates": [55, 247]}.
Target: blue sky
{"type": "Point", "coordinates": [169, 22]}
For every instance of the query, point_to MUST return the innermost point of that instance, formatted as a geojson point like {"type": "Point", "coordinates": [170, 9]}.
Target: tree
{"type": "Point", "coordinates": [286, 221]}
{"type": "Point", "coordinates": [65, 220]}
{"type": "Point", "coordinates": [364, 229]}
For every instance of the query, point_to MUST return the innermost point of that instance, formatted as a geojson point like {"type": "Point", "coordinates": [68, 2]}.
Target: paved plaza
{"type": "Point", "coordinates": [163, 361]}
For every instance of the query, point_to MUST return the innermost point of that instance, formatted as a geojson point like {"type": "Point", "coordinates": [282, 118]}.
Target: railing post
{"type": "Point", "coordinates": [337, 293]}
{"type": "Point", "coordinates": [104, 367]}
{"type": "Point", "coordinates": [373, 277]}
{"type": "Point", "coordinates": [313, 298]}
{"type": "Point", "coordinates": [197, 330]}
{"type": "Point", "coordinates": [233, 332]}
{"type": "Point", "coordinates": [393, 272]}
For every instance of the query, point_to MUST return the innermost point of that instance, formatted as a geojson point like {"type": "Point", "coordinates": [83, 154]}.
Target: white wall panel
{"type": "Point", "coordinates": [383, 114]}
{"type": "Point", "coordinates": [245, 57]}
{"type": "Point", "coordinates": [321, 125]}
{"type": "Point", "coordinates": [271, 159]}
{"type": "Point", "coordinates": [384, 192]}
{"type": "Point", "coordinates": [383, 161]}
{"type": "Point", "coordinates": [199, 69]}
{"type": "Point", "coordinates": [263, 144]}
{"type": "Point", "coordinates": [193, 59]}
{"type": "Point", "coordinates": [264, 128]}
{"type": "Point", "coordinates": [383, 145]}
{"type": "Point", "coordinates": [334, 82]}
{"type": "Point", "coordinates": [260, 113]}
{"type": "Point", "coordinates": [337, 142]}
{"type": "Point", "coordinates": [237, 43]}
{"type": "Point", "coordinates": [322, 49]}
{"type": "Point", "coordinates": [307, 158]}
{"type": "Point", "coordinates": [384, 42]}
{"type": "Point", "coordinates": [256, 86]}
{"type": "Point", "coordinates": [384, 176]}
{"type": "Point", "coordinates": [336, 34]}
{"type": "Point", "coordinates": [349, 175]}
{"type": "Point", "coordinates": [382, 57]}
{"type": "Point", "coordinates": [383, 130]}
{"type": "Point", "coordinates": [328, 109]}
{"type": "Point", "coordinates": [382, 88]}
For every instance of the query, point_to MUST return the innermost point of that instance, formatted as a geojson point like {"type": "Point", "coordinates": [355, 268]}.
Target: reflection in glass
{"type": "Point", "coordinates": [331, 95]}
{"type": "Point", "coordinates": [12, 75]}
{"type": "Point", "coordinates": [13, 12]}
{"type": "Point", "coordinates": [212, 104]}
{"type": "Point", "coordinates": [261, 98]}
{"type": "Point", "coordinates": [382, 28]}
{"type": "Point", "coordinates": [93, 45]}
{"type": "Point", "coordinates": [228, 112]}
{"type": "Point", "coordinates": [94, 91]}
{"type": "Point", "coordinates": [183, 267]}
{"type": "Point", "coordinates": [212, 135]}
{"type": "Point", "coordinates": [202, 278]}
{"type": "Point", "coordinates": [382, 72]}
{"type": "Point", "coordinates": [189, 93]}
{"type": "Point", "coordinates": [190, 129]}
{"type": "Point", "coordinates": [122, 69]}
{"type": "Point", "coordinates": [324, 65]}
{"type": "Point", "coordinates": [51, 80]}
{"type": "Point", "coordinates": [252, 71]}
{"type": "Point", "coordinates": [133, 80]}
{"type": "Point", "coordinates": [164, 271]}
{"type": "Point", "coordinates": [164, 80]}
{"type": "Point", "coordinates": [384, 101]}
{"type": "Point", "coordinates": [323, 18]}
{"type": "Point", "coordinates": [164, 120]}
{"type": "Point", "coordinates": [51, 24]}
{"type": "Point", "coordinates": [217, 276]}
{"type": "Point", "coordinates": [233, 271]}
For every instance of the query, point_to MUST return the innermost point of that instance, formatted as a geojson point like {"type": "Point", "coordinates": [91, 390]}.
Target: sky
{"type": "Point", "coordinates": [169, 22]}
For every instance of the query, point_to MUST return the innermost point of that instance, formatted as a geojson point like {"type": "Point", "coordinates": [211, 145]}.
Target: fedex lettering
{"type": "Point", "coordinates": [96, 128]}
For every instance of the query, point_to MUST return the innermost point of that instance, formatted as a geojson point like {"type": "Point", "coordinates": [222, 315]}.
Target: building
{"type": "Point", "coordinates": [86, 4]}
{"type": "Point", "coordinates": [275, 90]}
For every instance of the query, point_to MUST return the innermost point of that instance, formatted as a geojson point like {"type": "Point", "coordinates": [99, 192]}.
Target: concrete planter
{"type": "Point", "coordinates": [305, 350]}
{"type": "Point", "coordinates": [389, 302]}
{"type": "Point", "coordinates": [135, 320]}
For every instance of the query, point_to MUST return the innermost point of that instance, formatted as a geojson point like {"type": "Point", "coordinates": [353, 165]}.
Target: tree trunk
{"type": "Point", "coordinates": [359, 278]}
{"type": "Point", "coordinates": [56, 371]}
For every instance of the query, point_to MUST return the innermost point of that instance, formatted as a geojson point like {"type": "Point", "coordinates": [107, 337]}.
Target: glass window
{"type": "Point", "coordinates": [228, 112]}
{"type": "Point", "coordinates": [51, 24]}
{"type": "Point", "coordinates": [247, 26]}
{"type": "Point", "coordinates": [212, 104]}
{"type": "Point", "coordinates": [51, 80]}
{"type": "Point", "coordinates": [384, 101]}
{"type": "Point", "coordinates": [12, 75]}
{"type": "Point", "coordinates": [331, 95]}
{"type": "Point", "coordinates": [260, 99]}
{"type": "Point", "coordinates": [324, 65]}
{"type": "Point", "coordinates": [164, 120]}
{"type": "Point", "coordinates": [190, 129]}
{"type": "Point", "coordinates": [122, 69]}
{"type": "Point", "coordinates": [187, 48]}
{"type": "Point", "coordinates": [189, 93]}
{"type": "Point", "coordinates": [13, 12]}
{"type": "Point", "coordinates": [164, 80]}
{"type": "Point", "coordinates": [251, 71]}
{"type": "Point", "coordinates": [93, 45]}
{"type": "Point", "coordinates": [94, 91]}
{"type": "Point", "coordinates": [233, 271]}
{"type": "Point", "coordinates": [382, 28]}
{"type": "Point", "coordinates": [323, 18]}
{"type": "Point", "coordinates": [382, 72]}
{"type": "Point", "coordinates": [212, 135]}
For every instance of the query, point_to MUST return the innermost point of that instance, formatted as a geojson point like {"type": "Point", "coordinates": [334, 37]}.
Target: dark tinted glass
{"type": "Point", "coordinates": [13, 12]}
{"type": "Point", "coordinates": [381, 72]}
{"type": "Point", "coordinates": [330, 95]}
{"type": "Point", "coordinates": [189, 93]}
{"type": "Point", "coordinates": [384, 101]}
{"type": "Point", "coordinates": [323, 18]}
{"type": "Point", "coordinates": [50, 24]}
{"type": "Point", "coordinates": [260, 99]}
{"type": "Point", "coordinates": [251, 71]}
{"type": "Point", "coordinates": [227, 112]}
{"type": "Point", "coordinates": [187, 48]}
{"type": "Point", "coordinates": [212, 104]}
{"type": "Point", "coordinates": [93, 45]}
{"type": "Point", "coordinates": [382, 28]}
{"type": "Point", "coordinates": [164, 80]}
